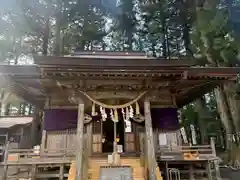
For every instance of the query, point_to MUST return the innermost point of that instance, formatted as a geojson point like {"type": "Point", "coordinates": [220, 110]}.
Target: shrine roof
{"type": "Point", "coordinates": [110, 73]}
{"type": "Point", "coordinates": [8, 122]}
{"type": "Point", "coordinates": [116, 61]}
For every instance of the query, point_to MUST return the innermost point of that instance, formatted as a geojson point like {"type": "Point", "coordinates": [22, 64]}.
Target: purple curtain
{"type": "Point", "coordinates": [165, 119]}
{"type": "Point", "coordinates": [62, 119]}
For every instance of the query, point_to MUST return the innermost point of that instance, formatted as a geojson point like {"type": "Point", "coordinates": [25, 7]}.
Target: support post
{"type": "Point", "coordinates": [216, 162]}
{"type": "Point", "coordinates": [89, 137]}
{"type": "Point", "coordinates": [61, 172]}
{"type": "Point", "coordinates": [34, 131]}
{"type": "Point", "coordinates": [33, 172]}
{"type": "Point", "coordinates": [4, 102]}
{"type": "Point", "coordinates": [5, 161]}
{"type": "Point", "coordinates": [149, 141]}
{"type": "Point", "coordinates": [80, 138]}
{"type": "Point", "coordinates": [3, 109]}
{"type": "Point", "coordinates": [43, 142]}
{"type": "Point", "coordinates": [115, 138]}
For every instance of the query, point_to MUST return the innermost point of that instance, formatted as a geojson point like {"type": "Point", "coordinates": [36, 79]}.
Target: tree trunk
{"type": "Point", "coordinates": [185, 24]}
{"type": "Point", "coordinates": [4, 101]}
{"type": "Point", "coordinates": [229, 89]}
{"type": "Point", "coordinates": [58, 29]}
{"type": "Point", "coordinates": [45, 38]}
{"type": "Point", "coordinates": [164, 45]}
{"type": "Point", "coordinates": [224, 115]}
{"type": "Point", "coordinates": [202, 113]}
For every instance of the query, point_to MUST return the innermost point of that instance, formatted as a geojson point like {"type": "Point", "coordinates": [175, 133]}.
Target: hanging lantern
{"type": "Point", "coordinates": [117, 139]}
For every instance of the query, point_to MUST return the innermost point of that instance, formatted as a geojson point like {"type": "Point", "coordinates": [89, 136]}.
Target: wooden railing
{"type": "Point", "coordinates": [176, 151]}
{"type": "Point", "coordinates": [60, 139]}
{"type": "Point", "coordinates": [33, 159]}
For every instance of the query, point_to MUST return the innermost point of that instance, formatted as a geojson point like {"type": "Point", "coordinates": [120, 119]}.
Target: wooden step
{"type": "Point", "coordinates": [72, 171]}
{"type": "Point", "coordinates": [158, 174]}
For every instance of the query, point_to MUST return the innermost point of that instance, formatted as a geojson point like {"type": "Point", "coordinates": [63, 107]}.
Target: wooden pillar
{"type": "Point", "coordinates": [43, 141]}
{"type": "Point", "coordinates": [216, 162]}
{"type": "Point", "coordinates": [61, 172]}
{"type": "Point", "coordinates": [3, 109]}
{"type": "Point", "coordinates": [79, 143]}
{"type": "Point", "coordinates": [33, 172]}
{"type": "Point", "coordinates": [89, 137]}
{"type": "Point", "coordinates": [22, 142]}
{"type": "Point", "coordinates": [151, 159]}
{"type": "Point", "coordinates": [5, 171]}
{"type": "Point", "coordinates": [34, 132]}
{"type": "Point", "coordinates": [44, 132]}
{"type": "Point", "coordinates": [4, 102]}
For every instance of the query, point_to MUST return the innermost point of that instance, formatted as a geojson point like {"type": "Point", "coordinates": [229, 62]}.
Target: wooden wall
{"type": "Point", "coordinates": [65, 139]}
{"type": "Point", "coordinates": [173, 138]}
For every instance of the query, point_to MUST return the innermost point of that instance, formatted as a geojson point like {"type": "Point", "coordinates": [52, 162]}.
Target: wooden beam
{"type": "Point", "coordinates": [194, 93]}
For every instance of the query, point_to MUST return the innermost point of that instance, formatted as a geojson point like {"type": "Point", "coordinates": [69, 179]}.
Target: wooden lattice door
{"type": "Point", "coordinates": [97, 137]}
{"type": "Point", "coordinates": [130, 142]}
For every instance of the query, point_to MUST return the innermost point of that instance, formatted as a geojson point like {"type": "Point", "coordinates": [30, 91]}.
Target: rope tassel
{"type": "Point", "coordinates": [137, 109]}
{"type": "Point", "coordinates": [127, 114]}
{"type": "Point", "coordinates": [111, 115]}
{"type": "Point", "coordinates": [131, 112]}
{"type": "Point", "coordinates": [93, 110]}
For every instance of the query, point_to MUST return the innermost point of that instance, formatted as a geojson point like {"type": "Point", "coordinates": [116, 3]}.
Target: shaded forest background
{"type": "Point", "coordinates": [204, 31]}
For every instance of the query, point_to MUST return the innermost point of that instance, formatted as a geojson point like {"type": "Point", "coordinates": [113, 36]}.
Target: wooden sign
{"type": "Point", "coordinates": [13, 157]}
{"type": "Point", "coordinates": [116, 173]}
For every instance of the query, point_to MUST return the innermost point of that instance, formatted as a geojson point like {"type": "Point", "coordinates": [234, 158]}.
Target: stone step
{"type": "Point", "coordinates": [94, 169]}
{"type": "Point", "coordinates": [135, 163]}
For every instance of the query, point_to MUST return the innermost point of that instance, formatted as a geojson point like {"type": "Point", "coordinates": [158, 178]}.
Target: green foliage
{"type": "Point", "coordinates": [211, 38]}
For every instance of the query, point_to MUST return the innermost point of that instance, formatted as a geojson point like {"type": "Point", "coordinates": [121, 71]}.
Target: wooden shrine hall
{"type": "Point", "coordinates": [114, 110]}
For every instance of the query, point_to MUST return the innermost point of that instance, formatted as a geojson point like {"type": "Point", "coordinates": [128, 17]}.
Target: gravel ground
{"type": "Point", "coordinates": [227, 173]}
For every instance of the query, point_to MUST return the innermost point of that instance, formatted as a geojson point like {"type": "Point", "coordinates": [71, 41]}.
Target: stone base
{"type": "Point", "coordinates": [116, 159]}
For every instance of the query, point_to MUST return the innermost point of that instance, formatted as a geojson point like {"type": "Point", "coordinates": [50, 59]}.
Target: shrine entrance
{"type": "Point", "coordinates": [116, 125]}
{"type": "Point", "coordinates": [108, 135]}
